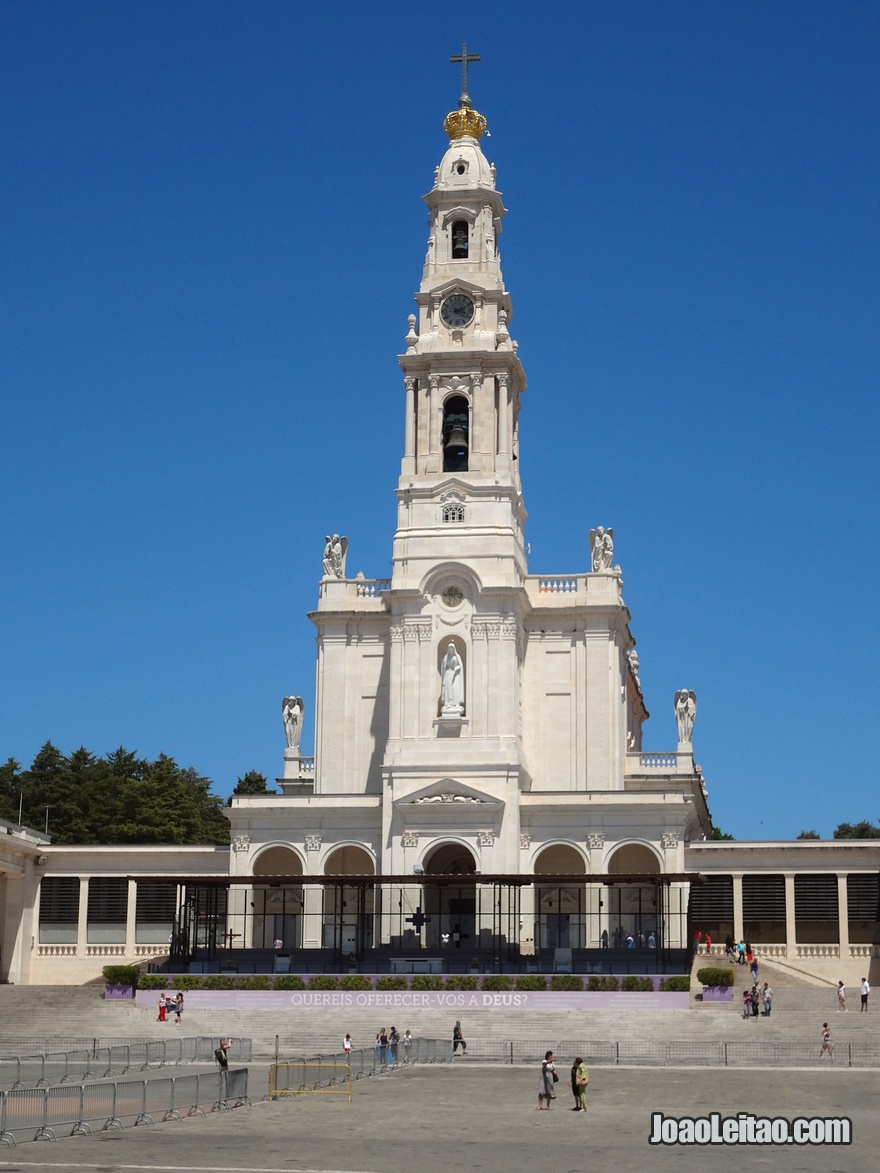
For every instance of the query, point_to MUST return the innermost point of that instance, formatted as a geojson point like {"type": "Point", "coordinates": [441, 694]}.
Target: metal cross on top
{"type": "Point", "coordinates": [418, 919]}
{"type": "Point", "coordinates": [464, 57]}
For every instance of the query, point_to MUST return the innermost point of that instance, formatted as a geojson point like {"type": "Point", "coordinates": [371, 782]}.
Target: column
{"type": "Point", "coordinates": [409, 434]}
{"type": "Point", "coordinates": [130, 919]}
{"type": "Point", "coordinates": [738, 934]}
{"type": "Point", "coordinates": [313, 920]}
{"type": "Point", "coordinates": [82, 920]}
{"type": "Point", "coordinates": [790, 926]}
{"type": "Point", "coordinates": [503, 416]}
{"type": "Point", "coordinates": [433, 463]}
{"type": "Point", "coordinates": [843, 917]}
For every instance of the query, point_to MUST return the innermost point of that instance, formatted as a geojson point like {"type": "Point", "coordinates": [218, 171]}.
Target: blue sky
{"type": "Point", "coordinates": [213, 232]}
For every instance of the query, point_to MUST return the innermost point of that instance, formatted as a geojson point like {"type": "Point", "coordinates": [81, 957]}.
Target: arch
{"type": "Point", "coordinates": [561, 908]}
{"type": "Point", "coordinates": [276, 909]}
{"type": "Point", "coordinates": [277, 860]}
{"type": "Point", "coordinates": [634, 857]}
{"type": "Point", "coordinates": [558, 859]}
{"type": "Point", "coordinates": [456, 433]}
{"type": "Point", "coordinates": [451, 574]}
{"type": "Point", "coordinates": [451, 859]}
{"type": "Point", "coordinates": [347, 914]}
{"type": "Point", "coordinates": [349, 859]}
{"type": "Point", "coordinates": [459, 239]}
{"type": "Point", "coordinates": [452, 908]}
{"type": "Point", "coordinates": [633, 911]}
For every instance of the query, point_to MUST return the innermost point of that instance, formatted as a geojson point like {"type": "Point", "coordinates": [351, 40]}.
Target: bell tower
{"type": "Point", "coordinates": [459, 487]}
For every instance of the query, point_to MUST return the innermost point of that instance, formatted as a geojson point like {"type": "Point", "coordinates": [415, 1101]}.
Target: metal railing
{"type": "Point", "coordinates": [368, 1061]}
{"type": "Point", "coordinates": [295, 1079]}
{"type": "Point", "coordinates": [44, 1113]}
{"type": "Point", "coordinates": [675, 1052]}
{"type": "Point", "coordinates": [104, 1058]}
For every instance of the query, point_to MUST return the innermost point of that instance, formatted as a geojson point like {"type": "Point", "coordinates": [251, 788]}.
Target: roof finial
{"type": "Point", "coordinates": [464, 57]}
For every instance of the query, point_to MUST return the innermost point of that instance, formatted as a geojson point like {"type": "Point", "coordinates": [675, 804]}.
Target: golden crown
{"type": "Point", "coordinates": [464, 123]}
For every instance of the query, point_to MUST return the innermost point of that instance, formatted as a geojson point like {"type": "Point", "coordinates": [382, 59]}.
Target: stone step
{"type": "Point", "coordinates": [81, 1012]}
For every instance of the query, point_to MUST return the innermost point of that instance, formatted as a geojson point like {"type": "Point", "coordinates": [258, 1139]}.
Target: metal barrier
{"type": "Point", "coordinates": [293, 1079]}
{"type": "Point", "coordinates": [103, 1059]}
{"type": "Point", "coordinates": [39, 1113]}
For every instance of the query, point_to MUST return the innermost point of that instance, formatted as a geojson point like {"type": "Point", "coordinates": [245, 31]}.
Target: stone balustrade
{"type": "Point", "coordinates": [558, 586]}
{"type": "Point", "coordinates": [817, 951]}
{"type": "Point", "coordinates": [659, 761]}
{"type": "Point", "coordinates": [369, 588]}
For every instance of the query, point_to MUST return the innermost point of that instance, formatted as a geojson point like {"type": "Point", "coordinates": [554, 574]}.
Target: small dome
{"type": "Point", "coordinates": [464, 165]}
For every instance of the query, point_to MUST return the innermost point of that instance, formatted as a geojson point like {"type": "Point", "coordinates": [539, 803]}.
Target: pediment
{"type": "Point", "coordinates": [448, 794]}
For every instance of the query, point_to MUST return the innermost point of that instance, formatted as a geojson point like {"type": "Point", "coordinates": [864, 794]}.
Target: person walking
{"type": "Point", "coordinates": [866, 989]}
{"type": "Point", "coordinates": [163, 1006]}
{"type": "Point", "coordinates": [827, 1044]}
{"type": "Point", "coordinates": [393, 1044]}
{"type": "Point", "coordinates": [755, 999]}
{"type": "Point", "coordinates": [222, 1056]}
{"type": "Point", "coordinates": [346, 1047]}
{"type": "Point", "coordinates": [841, 998]}
{"type": "Point", "coordinates": [178, 1006]}
{"type": "Point", "coordinates": [548, 1078]}
{"type": "Point", "coordinates": [754, 969]}
{"type": "Point", "coordinates": [579, 1080]}
{"type": "Point", "coordinates": [458, 1038]}
{"type": "Point", "coordinates": [407, 1043]}
{"type": "Point", "coordinates": [767, 996]}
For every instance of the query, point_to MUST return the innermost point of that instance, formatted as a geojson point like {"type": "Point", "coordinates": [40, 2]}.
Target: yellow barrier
{"type": "Point", "coordinates": [334, 1084]}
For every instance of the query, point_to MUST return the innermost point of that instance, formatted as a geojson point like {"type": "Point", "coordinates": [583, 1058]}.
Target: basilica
{"type": "Point", "coordinates": [479, 797]}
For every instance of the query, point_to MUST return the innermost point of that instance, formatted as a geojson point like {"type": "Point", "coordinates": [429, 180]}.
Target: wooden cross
{"type": "Point", "coordinates": [464, 57]}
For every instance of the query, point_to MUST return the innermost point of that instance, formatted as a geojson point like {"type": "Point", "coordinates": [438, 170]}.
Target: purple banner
{"type": "Point", "coordinates": [423, 1000]}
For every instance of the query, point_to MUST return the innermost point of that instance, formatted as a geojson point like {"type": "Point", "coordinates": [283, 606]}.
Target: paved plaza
{"type": "Point", "coordinates": [480, 1117]}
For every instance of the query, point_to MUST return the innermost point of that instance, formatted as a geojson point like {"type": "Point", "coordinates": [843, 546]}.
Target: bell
{"type": "Point", "coordinates": [457, 437]}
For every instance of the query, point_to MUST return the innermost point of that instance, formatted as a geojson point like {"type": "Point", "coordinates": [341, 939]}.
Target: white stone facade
{"type": "Point", "coordinates": [545, 748]}
{"type": "Point", "coordinates": [470, 717]}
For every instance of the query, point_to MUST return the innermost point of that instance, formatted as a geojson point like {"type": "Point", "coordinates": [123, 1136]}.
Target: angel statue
{"type": "Point", "coordinates": [685, 712]}
{"type": "Point", "coordinates": [292, 715]}
{"type": "Point", "coordinates": [602, 546]}
{"type": "Point", "coordinates": [334, 556]}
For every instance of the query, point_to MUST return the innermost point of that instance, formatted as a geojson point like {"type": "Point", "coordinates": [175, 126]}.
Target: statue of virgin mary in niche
{"type": "Point", "coordinates": [451, 684]}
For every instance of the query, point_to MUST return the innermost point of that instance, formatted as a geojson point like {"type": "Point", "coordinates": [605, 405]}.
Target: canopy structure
{"type": "Point", "coordinates": [434, 923]}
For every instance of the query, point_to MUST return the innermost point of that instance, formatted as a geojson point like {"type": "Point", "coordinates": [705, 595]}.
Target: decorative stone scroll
{"type": "Point", "coordinates": [596, 840]}
{"type": "Point", "coordinates": [485, 838]}
{"type": "Point", "coordinates": [669, 840]}
{"type": "Point", "coordinates": [494, 627]}
{"type": "Point", "coordinates": [241, 843]}
{"type": "Point", "coordinates": [409, 632]}
{"type": "Point", "coordinates": [448, 796]}
{"type": "Point", "coordinates": [313, 842]}
{"type": "Point", "coordinates": [633, 659]}
{"type": "Point", "coordinates": [525, 841]}
{"type": "Point", "coordinates": [409, 839]}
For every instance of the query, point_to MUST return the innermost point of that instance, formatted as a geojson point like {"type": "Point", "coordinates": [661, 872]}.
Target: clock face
{"type": "Point", "coordinates": [457, 310]}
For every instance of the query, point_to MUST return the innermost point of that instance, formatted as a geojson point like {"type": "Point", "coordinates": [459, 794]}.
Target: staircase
{"type": "Point", "coordinates": [34, 1016]}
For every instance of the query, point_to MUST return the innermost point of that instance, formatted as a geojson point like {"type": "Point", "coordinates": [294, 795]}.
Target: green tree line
{"type": "Point", "coordinates": [120, 798]}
